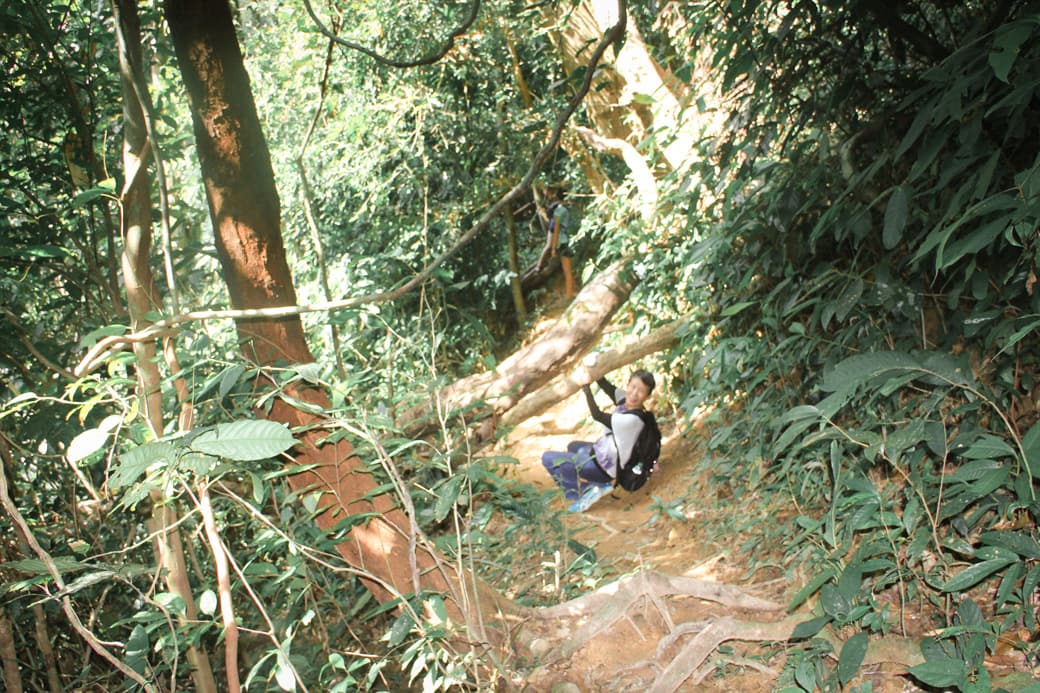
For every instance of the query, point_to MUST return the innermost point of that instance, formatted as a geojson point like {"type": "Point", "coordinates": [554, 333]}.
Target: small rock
{"type": "Point", "coordinates": [540, 647]}
{"type": "Point", "coordinates": [565, 687]}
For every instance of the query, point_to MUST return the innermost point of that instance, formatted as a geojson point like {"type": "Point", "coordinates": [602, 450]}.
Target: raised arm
{"type": "Point", "coordinates": [594, 409]}
{"type": "Point", "coordinates": [616, 396]}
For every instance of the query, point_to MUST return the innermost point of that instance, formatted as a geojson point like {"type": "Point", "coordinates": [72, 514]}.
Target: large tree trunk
{"type": "Point", "coordinates": [244, 206]}
{"type": "Point", "coordinates": [619, 89]}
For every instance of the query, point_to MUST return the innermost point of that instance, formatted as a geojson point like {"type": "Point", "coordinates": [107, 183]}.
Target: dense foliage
{"type": "Point", "coordinates": [857, 243]}
{"type": "Point", "coordinates": [873, 259]}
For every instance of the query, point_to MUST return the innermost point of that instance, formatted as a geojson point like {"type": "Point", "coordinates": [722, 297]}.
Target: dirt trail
{"type": "Point", "coordinates": [617, 524]}
{"type": "Point", "coordinates": [631, 530]}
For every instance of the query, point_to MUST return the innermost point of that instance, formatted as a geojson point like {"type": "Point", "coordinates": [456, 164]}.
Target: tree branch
{"type": "Point", "coordinates": [428, 59]}
{"type": "Point", "coordinates": [104, 348]}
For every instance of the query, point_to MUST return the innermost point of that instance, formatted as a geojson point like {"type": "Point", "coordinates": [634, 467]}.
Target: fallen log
{"type": "Point", "coordinates": [568, 383]}
{"type": "Point", "coordinates": [490, 393]}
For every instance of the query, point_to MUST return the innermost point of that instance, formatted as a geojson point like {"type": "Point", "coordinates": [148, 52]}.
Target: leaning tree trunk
{"type": "Point", "coordinates": [566, 384]}
{"type": "Point", "coordinates": [244, 206]}
{"type": "Point", "coordinates": [488, 394]}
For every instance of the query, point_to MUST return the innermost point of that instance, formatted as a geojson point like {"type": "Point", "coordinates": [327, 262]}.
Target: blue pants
{"type": "Point", "coordinates": [574, 470]}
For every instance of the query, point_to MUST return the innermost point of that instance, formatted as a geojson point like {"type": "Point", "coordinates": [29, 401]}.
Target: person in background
{"type": "Point", "coordinates": [557, 241]}
{"type": "Point", "coordinates": [586, 471]}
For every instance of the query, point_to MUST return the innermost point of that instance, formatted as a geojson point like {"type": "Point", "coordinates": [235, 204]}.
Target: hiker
{"type": "Point", "coordinates": [587, 471]}
{"type": "Point", "coordinates": [557, 241]}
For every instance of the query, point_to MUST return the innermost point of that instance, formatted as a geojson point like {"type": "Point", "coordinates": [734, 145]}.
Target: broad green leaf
{"type": "Point", "coordinates": [171, 602]}
{"type": "Point", "coordinates": [229, 378]}
{"type": "Point", "coordinates": [283, 672]}
{"type": "Point", "coordinates": [137, 647]}
{"type": "Point", "coordinates": [988, 446]}
{"type": "Point", "coordinates": [805, 674]}
{"type": "Point", "coordinates": [895, 217]}
{"type": "Point", "coordinates": [49, 251]}
{"type": "Point", "coordinates": [1019, 334]}
{"type": "Point", "coordinates": [940, 672]}
{"type": "Point", "coordinates": [400, 629]}
{"type": "Point", "coordinates": [447, 494]}
{"type": "Point", "coordinates": [834, 602]}
{"type": "Point", "coordinates": [948, 368]}
{"type": "Point", "coordinates": [302, 405]}
{"type": "Point", "coordinates": [1022, 544]}
{"type": "Point", "coordinates": [245, 441]}
{"type": "Point", "coordinates": [976, 469]}
{"type": "Point", "coordinates": [849, 298]}
{"type": "Point", "coordinates": [134, 462]}
{"type": "Point", "coordinates": [808, 629]}
{"type": "Point", "coordinates": [1031, 447]}
{"type": "Point", "coordinates": [35, 566]}
{"type": "Point", "coordinates": [973, 575]}
{"type": "Point", "coordinates": [971, 243]}
{"type": "Point", "coordinates": [861, 369]}
{"type": "Point", "coordinates": [88, 580]}
{"type": "Point", "coordinates": [810, 588]}
{"type": "Point", "coordinates": [86, 444]}
{"type": "Point", "coordinates": [852, 654]}
{"type": "Point", "coordinates": [1006, 46]}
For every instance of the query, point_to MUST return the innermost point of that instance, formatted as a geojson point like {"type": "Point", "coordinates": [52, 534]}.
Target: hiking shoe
{"type": "Point", "coordinates": [591, 495]}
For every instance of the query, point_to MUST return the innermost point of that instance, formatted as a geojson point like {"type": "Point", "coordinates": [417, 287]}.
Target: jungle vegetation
{"type": "Point", "coordinates": [270, 294]}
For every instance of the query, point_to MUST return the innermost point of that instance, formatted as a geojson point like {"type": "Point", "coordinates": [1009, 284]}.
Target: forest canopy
{"type": "Point", "coordinates": [276, 288]}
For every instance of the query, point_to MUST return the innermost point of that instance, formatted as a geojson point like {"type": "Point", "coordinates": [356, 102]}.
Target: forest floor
{"type": "Point", "coordinates": [629, 531]}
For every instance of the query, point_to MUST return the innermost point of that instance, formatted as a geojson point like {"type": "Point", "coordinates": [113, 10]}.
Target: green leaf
{"type": "Point", "coordinates": [973, 575]}
{"type": "Point", "coordinates": [134, 462]}
{"type": "Point", "coordinates": [245, 441]}
{"type": "Point", "coordinates": [940, 672]}
{"type": "Point", "coordinates": [862, 368]}
{"type": "Point", "coordinates": [808, 629]}
{"type": "Point", "coordinates": [1022, 544]}
{"type": "Point", "coordinates": [137, 649]}
{"type": "Point", "coordinates": [896, 212]}
{"type": "Point", "coordinates": [229, 378]}
{"type": "Point", "coordinates": [283, 672]}
{"type": "Point", "coordinates": [834, 602]}
{"type": "Point", "coordinates": [849, 298]}
{"type": "Point", "coordinates": [1031, 447]}
{"type": "Point", "coordinates": [851, 657]}
{"type": "Point", "coordinates": [447, 494]}
{"type": "Point", "coordinates": [105, 187]}
{"type": "Point", "coordinates": [736, 308]}
{"type": "Point", "coordinates": [1006, 46]}
{"type": "Point", "coordinates": [810, 588]}
{"type": "Point", "coordinates": [400, 629]}
{"type": "Point", "coordinates": [86, 444]}
{"type": "Point", "coordinates": [988, 446]}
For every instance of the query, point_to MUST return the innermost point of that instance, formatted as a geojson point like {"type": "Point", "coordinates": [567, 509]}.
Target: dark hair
{"type": "Point", "coordinates": [647, 377]}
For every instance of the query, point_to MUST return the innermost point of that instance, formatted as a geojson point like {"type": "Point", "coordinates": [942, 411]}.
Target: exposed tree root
{"type": "Point", "coordinates": [678, 658]}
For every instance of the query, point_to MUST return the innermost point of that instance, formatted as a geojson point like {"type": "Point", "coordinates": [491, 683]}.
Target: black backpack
{"type": "Point", "coordinates": [644, 454]}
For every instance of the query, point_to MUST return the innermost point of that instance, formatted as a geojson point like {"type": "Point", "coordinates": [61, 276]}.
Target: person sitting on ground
{"type": "Point", "coordinates": [586, 470]}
